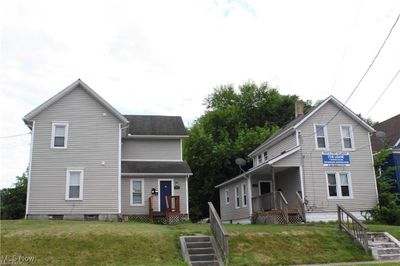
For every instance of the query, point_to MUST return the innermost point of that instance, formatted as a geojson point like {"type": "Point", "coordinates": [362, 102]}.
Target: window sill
{"type": "Point", "coordinates": [74, 199]}
{"type": "Point", "coordinates": [137, 205]}
{"type": "Point", "coordinates": [339, 198]}
{"type": "Point", "coordinates": [58, 148]}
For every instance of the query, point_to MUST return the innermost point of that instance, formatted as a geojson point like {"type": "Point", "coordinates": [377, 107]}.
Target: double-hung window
{"type": "Point", "coordinates": [74, 187]}
{"type": "Point", "coordinates": [347, 137]}
{"type": "Point", "coordinates": [265, 156]}
{"type": "Point", "coordinates": [137, 188]}
{"type": "Point", "coordinates": [227, 199]}
{"type": "Point", "coordinates": [339, 185]}
{"type": "Point", "coordinates": [321, 139]}
{"type": "Point", "coordinates": [259, 159]}
{"type": "Point", "coordinates": [59, 135]}
{"type": "Point", "coordinates": [237, 197]}
{"type": "Point", "coordinates": [244, 194]}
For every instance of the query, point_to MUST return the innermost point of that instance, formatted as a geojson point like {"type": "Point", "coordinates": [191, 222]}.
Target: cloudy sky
{"type": "Point", "coordinates": [164, 57]}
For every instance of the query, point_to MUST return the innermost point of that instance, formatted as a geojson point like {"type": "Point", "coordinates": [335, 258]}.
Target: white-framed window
{"type": "Point", "coordinates": [346, 132]}
{"type": "Point", "coordinates": [259, 159]}
{"type": "Point", "coordinates": [237, 197]}
{"type": "Point", "coordinates": [74, 184]}
{"type": "Point", "coordinates": [137, 192]}
{"type": "Point", "coordinates": [59, 135]}
{"type": "Point", "coordinates": [265, 156]}
{"type": "Point", "coordinates": [244, 194]}
{"type": "Point", "coordinates": [227, 199]}
{"type": "Point", "coordinates": [321, 136]}
{"type": "Point", "coordinates": [339, 185]}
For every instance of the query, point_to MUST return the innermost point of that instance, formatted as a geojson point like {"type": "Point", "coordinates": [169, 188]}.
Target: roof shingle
{"type": "Point", "coordinates": [156, 125]}
{"type": "Point", "coordinates": [155, 167]}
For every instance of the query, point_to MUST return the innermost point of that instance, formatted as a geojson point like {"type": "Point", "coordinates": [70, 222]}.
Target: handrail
{"type": "Point", "coordinates": [283, 206]}
{"type": "Point", "coordinates": [300, 206]}
{"type": "Point", "coordinates": [354, 227]}
{"type": "Point", "coordinates": [219, 232]}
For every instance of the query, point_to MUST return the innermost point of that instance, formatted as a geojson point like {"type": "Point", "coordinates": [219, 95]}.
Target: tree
{"type": "Point", "coordinates": [13, 200]}
{"type": "Point", "coordinates": [234, 124]}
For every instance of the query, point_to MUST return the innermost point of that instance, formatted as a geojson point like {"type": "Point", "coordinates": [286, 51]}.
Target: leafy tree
{"type": "Point", "coordinates": [13, 200]}
{"type": "Point", "coordinates": [234, 124]}
{"type": "Point", "coordinates": [388, 211]}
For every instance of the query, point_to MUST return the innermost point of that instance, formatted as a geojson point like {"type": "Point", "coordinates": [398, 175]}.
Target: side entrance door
{"type": "Point", "coordinates": [265, 187]}
{"type": "Point", "coordinates": [165, 190]}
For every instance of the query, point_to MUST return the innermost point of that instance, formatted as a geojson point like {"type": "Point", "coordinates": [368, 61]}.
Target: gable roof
{"type": "Point", "coordinates": [294, 124]}
{"type": "Point", "coordinates": [391, 127]}
{"type": "Point", "coordinates": [155, 125]}
{"type": "Point", "coordinates": [79, 83]}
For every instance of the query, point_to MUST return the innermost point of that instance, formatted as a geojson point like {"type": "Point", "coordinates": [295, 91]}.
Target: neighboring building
{"type": "Point", "coordinates": [90, 162]}
{"type": "Point", "coordinates": [390, 138]}
{"type": "Point", "coordinates": [320, 159]}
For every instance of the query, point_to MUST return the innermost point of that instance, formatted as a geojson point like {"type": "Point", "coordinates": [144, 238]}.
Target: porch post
{"type": "Point", "coordinates": [250, 197]}
{"type": "Point", "coordinates": [273, 186]}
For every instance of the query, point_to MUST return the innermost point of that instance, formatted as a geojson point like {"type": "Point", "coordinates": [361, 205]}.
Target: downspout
{"type": "Point", "coordinates": [119, 167]}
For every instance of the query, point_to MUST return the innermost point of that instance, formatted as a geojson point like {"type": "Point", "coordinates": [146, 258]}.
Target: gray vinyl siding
{"type": "Point", "coordinates": [149, 183]}
{"type": "Point", "coordinates": [283, 145]}
{"type": "Point", "coordinates": [361, 168]}
{"type": "Point", "coordinates": [228, 211]}
{"type": "Point", "coordinates": [289, 182]}
{"type": "Point", "coordinates": [291, 160]}
{"type": "Point", "coordinates": [92, 138]}
{"type": "Point", "coordinates": [151, 149]}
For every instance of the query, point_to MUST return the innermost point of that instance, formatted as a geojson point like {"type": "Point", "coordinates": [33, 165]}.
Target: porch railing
{"type": "Point", "coordinates": [219, 232]}
{"type": "Point", "coordinates": [300, 207]}
{"type": "Point", "coordinates": [354, 227]}
{"type": "Point", "coordinates": [271, 201]}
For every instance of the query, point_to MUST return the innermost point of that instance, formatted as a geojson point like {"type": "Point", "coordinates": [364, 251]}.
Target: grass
{"type": "Point", "coordinates": [128, 243]}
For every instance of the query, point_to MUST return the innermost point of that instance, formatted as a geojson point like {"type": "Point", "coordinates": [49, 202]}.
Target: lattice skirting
{"type": "Point", "coordinates": [173, 218]}
{"type": "Point", "coordinates": [295, 219]}
{"type": "Point", "coordinates": [268, 218]}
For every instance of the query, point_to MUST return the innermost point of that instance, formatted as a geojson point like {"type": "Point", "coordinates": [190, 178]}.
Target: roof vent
{"type": "Point", "coordinates": [299, 108]}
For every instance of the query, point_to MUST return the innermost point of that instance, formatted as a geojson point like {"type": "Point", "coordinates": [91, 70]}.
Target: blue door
{"type": "Point", "coordinates": [165, 190]}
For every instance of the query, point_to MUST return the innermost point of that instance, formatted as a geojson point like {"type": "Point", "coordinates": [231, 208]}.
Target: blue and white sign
{"type": "Point", "coordinates": [336, 159]}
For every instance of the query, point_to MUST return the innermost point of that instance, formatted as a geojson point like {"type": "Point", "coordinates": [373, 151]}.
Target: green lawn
{"type": "Point", "coordinates": [108, 243]}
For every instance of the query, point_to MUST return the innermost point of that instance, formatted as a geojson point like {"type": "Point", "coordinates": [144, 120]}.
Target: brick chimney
{"type": "Point", "coordinates": [299, 108]}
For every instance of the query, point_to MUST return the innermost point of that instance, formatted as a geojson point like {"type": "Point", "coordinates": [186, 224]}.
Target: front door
{"type": "Point", "coordinates": [165, 190]}
{"type": "Point", "coordinates": [265, 187]}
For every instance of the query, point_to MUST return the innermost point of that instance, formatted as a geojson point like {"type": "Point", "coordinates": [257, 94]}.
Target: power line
{"type": "Point", "coordinates": [13, 136]}
{"type": "Point", "coordinates": [383, 92]}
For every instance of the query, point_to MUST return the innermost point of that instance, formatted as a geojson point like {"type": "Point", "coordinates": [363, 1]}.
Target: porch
{"type": "Point", "coordinates": [276, 195]}
{"type": "Point", "coordinates": [171, 213]}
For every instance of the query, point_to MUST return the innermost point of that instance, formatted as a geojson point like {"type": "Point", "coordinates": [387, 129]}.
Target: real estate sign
{"type": "Point", "coordinates": [336, 159]}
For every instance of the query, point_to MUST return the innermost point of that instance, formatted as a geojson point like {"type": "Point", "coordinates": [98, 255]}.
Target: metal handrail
{"type": "Point", "coordinates": [300, 206]}
{"type": "Point", "coordinates": [354, 227]}
{"type": "Point", "coordinates": [219, 232]}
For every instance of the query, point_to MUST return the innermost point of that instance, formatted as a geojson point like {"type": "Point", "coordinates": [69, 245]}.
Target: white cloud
{"type": "Point", "coordinates": [164, 57]}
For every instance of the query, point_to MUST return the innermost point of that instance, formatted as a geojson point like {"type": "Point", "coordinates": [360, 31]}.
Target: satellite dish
{"type": "Point", "coordinates": [380, 135]}
{"type": "Point", "coordinates": [240, 162]}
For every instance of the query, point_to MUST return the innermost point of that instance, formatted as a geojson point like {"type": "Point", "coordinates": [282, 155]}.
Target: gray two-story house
{"type": "Point", "coordinates": [88, 161]}
{"type": "Point", "coordinates": [318, 160]}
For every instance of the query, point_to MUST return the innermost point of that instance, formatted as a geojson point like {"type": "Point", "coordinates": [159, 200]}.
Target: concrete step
{"type": "Point", "coordinates": [201, 251]}
{"type": "Point", "coordinates": [205, 263]}
{"type": "Point", "coordinates": [202, 257]}
{"type": "Point", "coordinates": [389, 257]}
{"type": "Point", "coordinates": [382, 244]}
{"type": "Point", "coordinates": [388, 251]}
{"type": "Point", "coordinates": [197, 239]}
{"type": "Point", "coordinates": [199, 244]}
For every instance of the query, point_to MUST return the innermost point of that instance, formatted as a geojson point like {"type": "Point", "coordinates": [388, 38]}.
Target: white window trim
{"type": "Point", "coordinates": [131, 190]}
{"type": "Point", "coordinates": [325, 135]}
{"type": "Point", "coordinates": [243, 194]}
{"type": "Point", "coordinates": [67, 183]}
{"type": "Point", "coordinates": [227, 198]}
{"type": "Point", "coordinates": [351, 137]}
{"type": "Point", "coordinates": [237, 188]}
{"type": "Point", "coordinates": [53, 131]}
{"type": "Point", "coordinates": [338, 185]}
{"type": "Point", "coordinates": [263, 181]}
{"type": "Point", "coordinates": [265, 153]}
{"type": "Point", "coordinates": [258, 159]}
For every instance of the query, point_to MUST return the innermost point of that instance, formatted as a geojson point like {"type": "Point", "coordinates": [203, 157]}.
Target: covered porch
{"type": "Point", "coordinates": [276, 194]}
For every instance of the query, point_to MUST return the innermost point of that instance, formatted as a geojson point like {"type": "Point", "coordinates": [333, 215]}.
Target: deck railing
{"type": "Point", "coordinates": [300, 207]}
{"type": "Point", "coordinates": [219, 232]}
{"type": "Point", "coordinates": [271, 201]}
{"type": "Point", "coordinates": [354, 227]}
